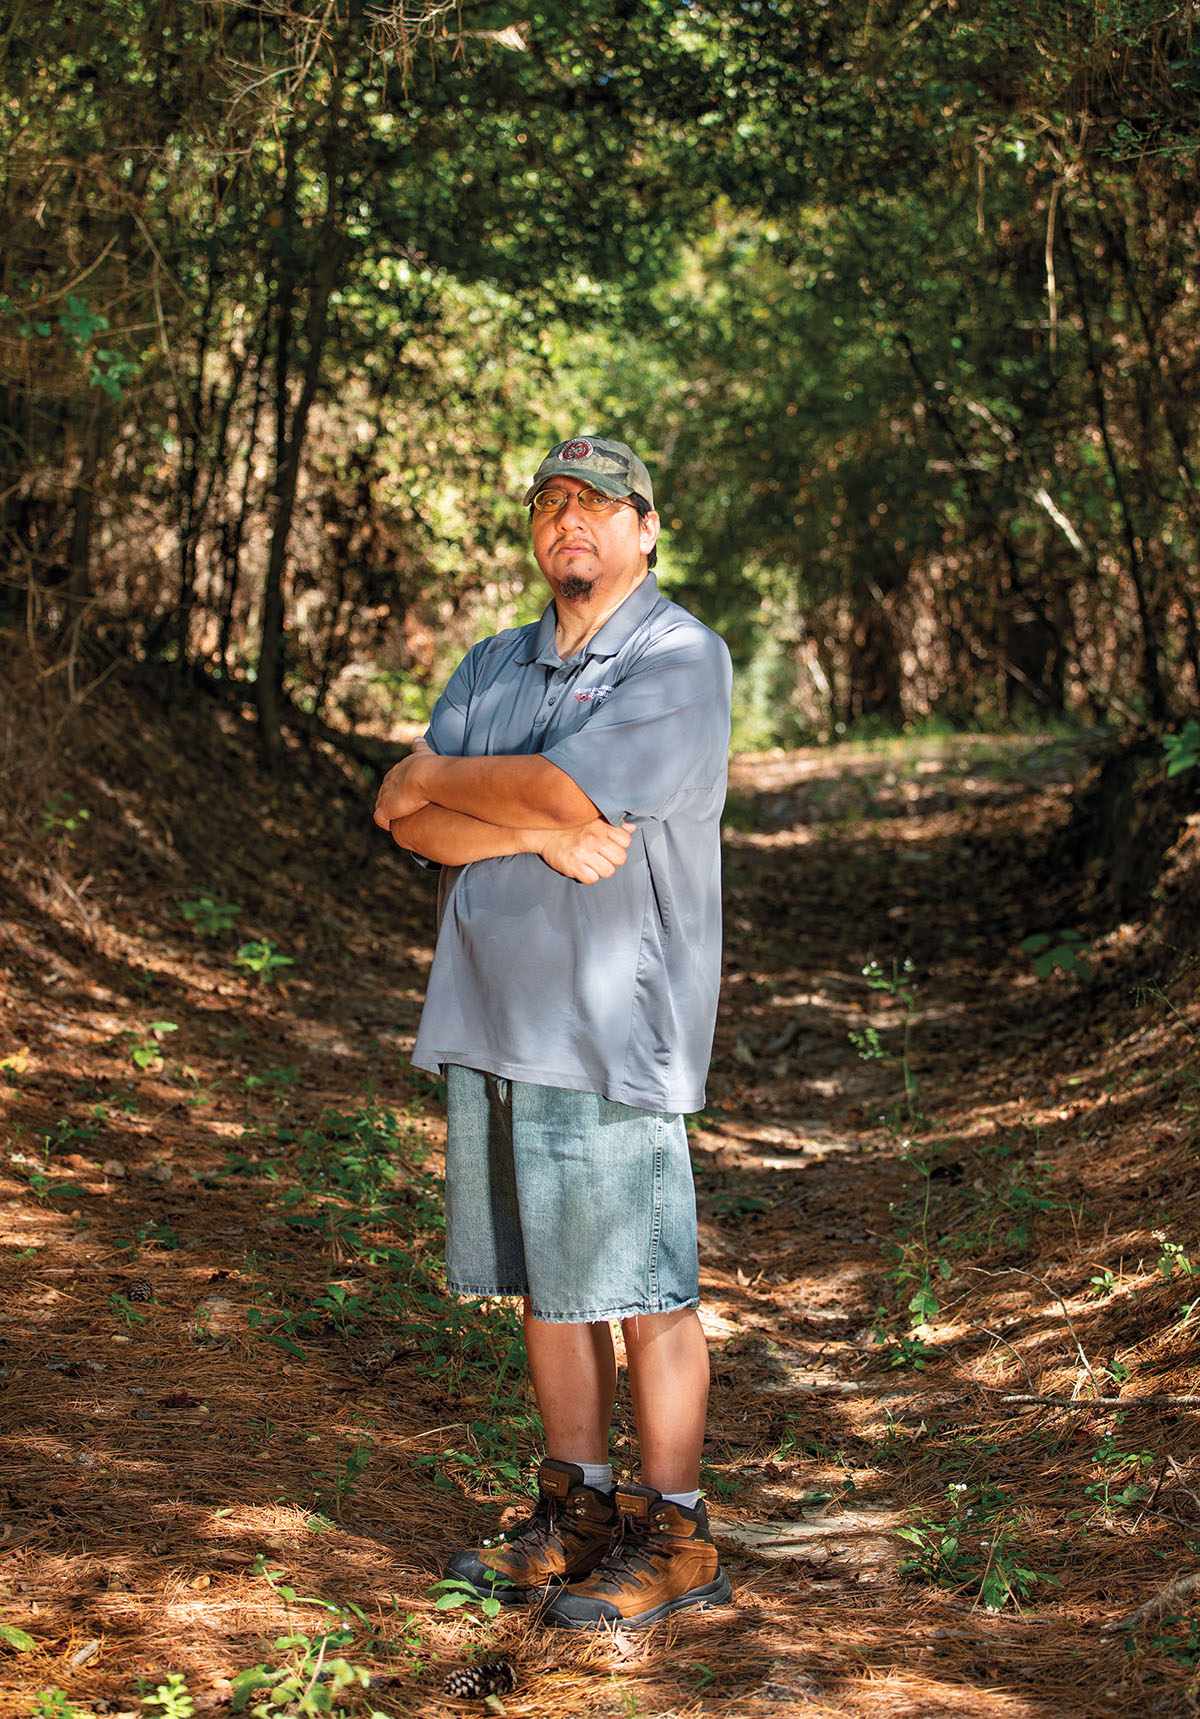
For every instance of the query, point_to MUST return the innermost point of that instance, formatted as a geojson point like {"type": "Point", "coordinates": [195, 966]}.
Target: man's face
{"type": "Point", "coordinates": [588, 556]}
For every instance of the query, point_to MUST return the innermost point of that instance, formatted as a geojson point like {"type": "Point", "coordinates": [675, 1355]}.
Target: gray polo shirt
{"type": "Point", "coordinates": [608, 987]}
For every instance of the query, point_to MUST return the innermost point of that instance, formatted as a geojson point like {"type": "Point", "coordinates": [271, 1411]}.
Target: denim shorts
{"type": "Point", "coordinates": [585, 1206]}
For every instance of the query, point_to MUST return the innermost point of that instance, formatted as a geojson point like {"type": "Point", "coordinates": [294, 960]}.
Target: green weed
{"type": "Point", "coordinates": [143, 1048]}
{"type": "Point", "coordinates": [1175, 1636]}
{"type": "Point", "coordinates": [55, 1704]}
{"type": "Point", "coordinates": [1173, 1259]}
{"type": "Point", "coordinates": [900, 985]}
{"type": "Point", "coordinates": [1182, 750]}
{"type": "Point", "coordinates": [976, 1549]}
{"type": "Point", "coordinates": [209, 917]}
{"type": "Point", "coordinates": [453, 1594]}
{"type": "Point", "coordinates": [1119, 1486]}
{"type": "Point", "coordinates": [63, 820]}
{"type": "Point", "coordinates": [171, 1699]}
{"type": "Point", "coordinates": [338, 1484]}
{"type": "Point", "coordinates": [1058, 951]}
{"type": "Point", "coordinates": [124, 1309]}
{"type": "Point", "coordinates": [44, 1187]}
{"type": "Point", "coordinates": [262, 958]}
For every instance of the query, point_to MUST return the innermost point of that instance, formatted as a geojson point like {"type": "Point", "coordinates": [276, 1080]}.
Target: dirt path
{"type": "Point", "coordinates": [240, 1418]}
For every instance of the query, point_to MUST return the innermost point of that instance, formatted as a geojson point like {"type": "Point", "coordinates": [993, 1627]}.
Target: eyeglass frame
{"type": "Point", "coordinates": [568, 495]}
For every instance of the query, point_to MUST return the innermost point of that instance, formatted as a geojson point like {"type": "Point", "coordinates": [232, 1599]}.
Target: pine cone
{"type": "Point", "coordinates": [474, 1682]}
{"type": "Point", "coordinates": [141, 1289]}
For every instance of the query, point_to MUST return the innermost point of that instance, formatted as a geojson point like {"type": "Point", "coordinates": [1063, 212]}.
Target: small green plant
{"type": "Point", "coordinates": [54, 1704]}
{"type": "Point", "coordinates": [154, 1233]}
{"type": "Point", "coordinates": [171, 1699]}
{"type": "Point", "coordinates": [1119, 1486]}
{"type": "Point", "coordinates": [309, 1683]}
{"type": "Point", "coordinates": [1182, 750]}
{"type": "Point", "coordinates": [453, 1594]}
{"type": "Point", "coordinates": [262, 958]}
{"type": "Point", "coordinates": [1103, 1283]}
{"type": "Point", "coordinates": [144, 1049]}
{"type": "Point", "coordinates": [17, 1639]}
{"type": "Point", "coordinates": [1058, 951]}
{"type": "Point", "coordinates": [341, 1482]}
{"type": "Point", "coordinates": [124, 1309]}
{"type": "Point", "coordinates": [63, 820]}
{"type": "Point", "coordinates": [1173, 1259]}
{"type": "Point", "coordinates": [209, 917]}
{"type": "Point", "coordinates": [900, 985]}
{"type": "Point", "coordinates": [734, 1205]}
{"type": "Point", "coordinates": [276, 1081]}
{"type": "Point", "coordinates": [44, 1187]}
{"type": "Point", "coordinates": [308, 1687]}
{"type": "Point", "coordinates": [903, 1350]}
{"type": "Point", "coordinates": [1175, 1636]}
{"type": "Point", "coordinates": [974, 1550]}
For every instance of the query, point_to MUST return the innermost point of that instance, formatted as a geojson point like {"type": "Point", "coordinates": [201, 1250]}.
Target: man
{"type": "Point", "coordinates": [571, 782]}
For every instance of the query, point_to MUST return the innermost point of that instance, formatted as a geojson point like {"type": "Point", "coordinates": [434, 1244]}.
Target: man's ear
{"type": "Point", "coordinates": [648, 531]}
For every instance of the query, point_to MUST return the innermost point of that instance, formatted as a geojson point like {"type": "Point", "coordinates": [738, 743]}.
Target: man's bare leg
{"type": "Point", "coordinates": [668, 1379]}
{"type": "Point", "coordinates": [574, 1373]}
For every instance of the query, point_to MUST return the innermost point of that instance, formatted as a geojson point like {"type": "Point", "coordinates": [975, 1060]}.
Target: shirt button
{"type": "Point", "coordinates": [553, 699]}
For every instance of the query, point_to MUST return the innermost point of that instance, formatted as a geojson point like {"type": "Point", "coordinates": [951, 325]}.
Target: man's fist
{"type": "Point", "coordinates": [587, 852]}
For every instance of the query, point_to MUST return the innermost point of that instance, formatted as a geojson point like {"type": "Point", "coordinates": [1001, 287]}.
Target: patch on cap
{"type": "Point", "coordinates": [575, 450]}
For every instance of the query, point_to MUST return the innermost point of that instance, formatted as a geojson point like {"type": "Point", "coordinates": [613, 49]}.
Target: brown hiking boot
{"type": "Point", "coordinates": [571, 1529]}
{"type": "Point", "coordinates": [662, 1560]}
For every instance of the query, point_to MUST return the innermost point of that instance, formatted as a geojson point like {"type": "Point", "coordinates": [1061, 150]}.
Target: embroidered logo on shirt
{"type": "Point", "coordinates": [576, 450]}
{"type": "Point", "coordinates": [592, 694]}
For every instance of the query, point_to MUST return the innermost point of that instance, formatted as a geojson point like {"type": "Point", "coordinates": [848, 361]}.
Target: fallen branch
{"type": "Point", "coordinates": [1100, 1402]}
{"type": "Point", "coordinates": [1158, 1603]}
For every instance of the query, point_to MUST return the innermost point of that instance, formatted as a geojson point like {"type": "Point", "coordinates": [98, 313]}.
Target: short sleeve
{"type": "Point", "coordinates": [662, 730]}
{"type": "Point", "coordinates": [448, 725]}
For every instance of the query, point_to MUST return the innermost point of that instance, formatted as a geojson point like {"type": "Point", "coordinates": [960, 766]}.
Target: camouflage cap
{"type": "Point", "coordinates": [607, 466]}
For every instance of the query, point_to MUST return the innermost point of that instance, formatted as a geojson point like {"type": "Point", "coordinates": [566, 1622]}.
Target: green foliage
{"type": "Point", "coordinates": [1120, 1486]}
{"type": "Point", "coordinates": [170, 1699]}
{"type": "Point", "coordinates": [124, 1309]}
{"type": "Point", "coordinates": [1171, 1634]}
{"type": "Point", "coordinates": [19, 1640]}
{"type": "Point", "coordinates": [972, 1547]}
{"type": "Point", "coordinates": [314, 1677]}
{"type": "Point", "coordinates": [55, 1704]}
{"type": "Point", "coordinates": [144, 1047]}
{"type": "Point", "coordinates": [453, 1594]}
{"type": "Point", "coordinates": [209, 917]}
{"type": "Point", "coordinates": [1182, 750]}
{"type": "Point", "coordinates": [1058, 951]}
{"type": "Point", "coordinates": [262, 958]}
{"type": "Point", "coordinates": [62, 818]}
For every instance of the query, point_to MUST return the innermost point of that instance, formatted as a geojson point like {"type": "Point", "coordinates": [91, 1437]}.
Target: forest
{"type": "Point", "coordinates": [898, 300]}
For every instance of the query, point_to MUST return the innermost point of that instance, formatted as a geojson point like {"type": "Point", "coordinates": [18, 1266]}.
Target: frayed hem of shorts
{"type": "Point", "coordinates": [585, 1316]}
{"type": "Point", "coordinates": [486, 1291]}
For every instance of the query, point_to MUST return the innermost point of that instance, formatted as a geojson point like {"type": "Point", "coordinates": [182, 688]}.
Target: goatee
{"type": "Point", "coordinates": [576, 589]}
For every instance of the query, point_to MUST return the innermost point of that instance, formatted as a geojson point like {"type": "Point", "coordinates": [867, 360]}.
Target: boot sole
{"type": "Point", "coordinates": [718, 1592]}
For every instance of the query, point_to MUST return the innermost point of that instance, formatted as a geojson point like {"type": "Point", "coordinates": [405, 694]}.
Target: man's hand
{"type": "Point", "coordinates": [588, 852]}
{"type": "Point", "coordinates": [396, 798]}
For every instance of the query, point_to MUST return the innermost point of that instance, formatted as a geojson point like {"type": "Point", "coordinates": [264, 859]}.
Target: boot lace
{"type": "Point", "coordinates": [632, 1554]}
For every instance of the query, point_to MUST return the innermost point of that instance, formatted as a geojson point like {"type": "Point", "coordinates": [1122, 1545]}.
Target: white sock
{"type": "Point", "coordinates": [689, 1500]}
{"type": "Point", "coordinates": [597, 1475]}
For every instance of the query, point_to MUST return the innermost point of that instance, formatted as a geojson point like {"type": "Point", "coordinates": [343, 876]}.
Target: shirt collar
{"type": "Point", "coordinates": [614, 634]}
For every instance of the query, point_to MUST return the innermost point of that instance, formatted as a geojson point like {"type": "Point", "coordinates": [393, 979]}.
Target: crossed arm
{"type": "Point", "coordinates": [456, 810]}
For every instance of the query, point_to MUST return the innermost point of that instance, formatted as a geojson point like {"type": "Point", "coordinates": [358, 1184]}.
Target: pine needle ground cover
{"type": "Point", "coordinates": [950, 1255]}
